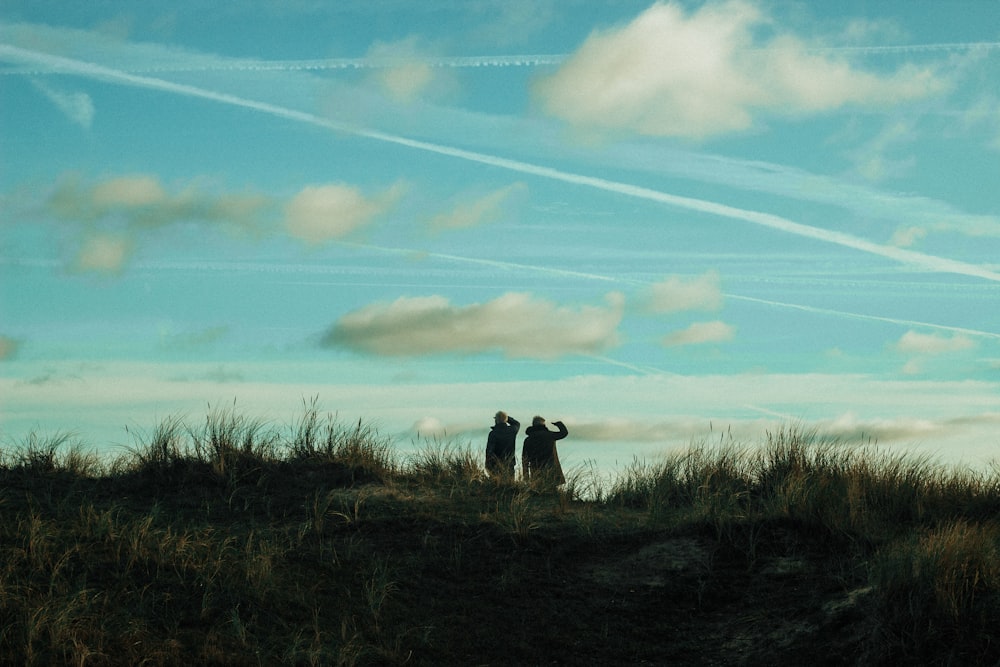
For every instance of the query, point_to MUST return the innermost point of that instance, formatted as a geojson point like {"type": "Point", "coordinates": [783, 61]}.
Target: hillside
{"type": "Point", "coordinates": [235, 545]}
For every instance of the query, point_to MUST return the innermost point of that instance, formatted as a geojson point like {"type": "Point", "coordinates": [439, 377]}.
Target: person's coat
{"type": "Point", "coordinates": [539, 455]}
{"type": "Point", "coordinates": [501, 446]}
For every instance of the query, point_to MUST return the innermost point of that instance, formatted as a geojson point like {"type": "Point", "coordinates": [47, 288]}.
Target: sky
{"type": "Point", "coordinates": [665, 224]}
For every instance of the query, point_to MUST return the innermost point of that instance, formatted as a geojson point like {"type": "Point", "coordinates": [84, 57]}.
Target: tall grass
{"type": "Point", "coordinates": [844, 489]}
{"type": "Point", "coordinates": [445, 463]}
{"type": "Point", "coordinates": [358, 448]}
{"type": "Point", "coordinates": [240, 538]}
{"type": "Point", "coordinates": [939, 588]}
{"type": "Point", "coordinates": [60, 452]}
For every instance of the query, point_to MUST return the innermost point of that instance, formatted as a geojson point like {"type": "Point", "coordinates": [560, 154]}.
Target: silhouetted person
{"type": "Point", "coordinates": [501, 444]}
{"type": "Point", "coordinates": [539, 455]}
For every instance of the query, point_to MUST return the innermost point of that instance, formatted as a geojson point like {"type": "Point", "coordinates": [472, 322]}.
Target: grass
{"type": "Point", "coordinates": [237, 542]}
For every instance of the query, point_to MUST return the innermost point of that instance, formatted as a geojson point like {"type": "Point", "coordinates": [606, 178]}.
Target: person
{"type": "Point", "coordinates": [501, 445]}
{"type": "Point", "coordinates": [539, 456]}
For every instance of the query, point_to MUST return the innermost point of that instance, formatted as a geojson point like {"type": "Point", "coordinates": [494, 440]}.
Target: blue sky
{"type": "Point", "coordinates": [660, 223]}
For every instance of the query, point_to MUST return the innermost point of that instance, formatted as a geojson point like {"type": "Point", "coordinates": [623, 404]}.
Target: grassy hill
{"type": "Point", "coordinates": [238, 543]}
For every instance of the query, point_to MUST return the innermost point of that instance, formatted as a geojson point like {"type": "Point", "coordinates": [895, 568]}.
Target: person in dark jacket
{"type": "Point", "coordinates": [539, 455]}
{"type": "Point", "coordinates": [501, 445]}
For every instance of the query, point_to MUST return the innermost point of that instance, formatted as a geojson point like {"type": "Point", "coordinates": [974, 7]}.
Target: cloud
{"type": "Point", "coordinates": [429, 427]}
{"type": "Point", "coordinates": [92, 70]}
{"type": "Point", "coordinates": [78, 107]}
{"type": "Point", "coordinates": [319, 213]}
{"type": "Point", "coordinates": [849, 428]}
{"type": "Point", "coordinates": [512, 21]}
{"type": "Point", "coordinates": [669, 73]}
{"type": "Point", "coordinates": [403, 70]}
{"type": "Point", "coordinates": [913, 342]}
{"type": "Point", "coordinates": [95, 399]}
{"type": "Point", "coordinates": [516, 324]}
{"type": "Point", "coordinates": [128, 192]}
{"type": "Point", "coordinates": [982, 115]}
{"type": "Point", "coordinates": [141, 201]}
{"type": "Point", "coordinates": [922, 347]}
{"type": "Point", "coordinates": [974, 226]}
{"type": "Point", "coordinates": [8, 347]}
{"type": "Point", "coordinates": [617, 429]}
{"type": "Point", "coordinates": [701, 332]}
{"type": "Point", "coordinates": [103, 253]}
{"type": "Point", "coordinates": [117, 209]}
{"type": "Point", "coordinates": [873, 161]}
{"type": "Point", "coordinates": [904, 237]}
{"type": "Point", "coordinates": [675, 294]}
{"type": "Point", "coordinates": [477, 211]}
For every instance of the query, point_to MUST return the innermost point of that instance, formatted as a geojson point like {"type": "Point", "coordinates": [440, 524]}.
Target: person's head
{"type": "Point", "coordinates": [538, 421]}
{"type": "Point", "coordinates": [500, 417]}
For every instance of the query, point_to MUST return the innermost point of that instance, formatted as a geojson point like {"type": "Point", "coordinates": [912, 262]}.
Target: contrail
{"type": "Point", "coordinates": [499, 264]}
{"type": "Point", "coordinates": [642, 370]}
{"type": "Point", "coordinates": [321, 64]}
{"type": "Point", "coordinates": [911, 48]}
{"type": "Point", "coordinates": [479, 61]}
{"type": "Point", "coordinates": [901, 255]}
{"type": "Point", "coordinates": [872, 318]}
{"type": "Point", "coordinates": [791, 419]}
{"type": "Point", "coordinates": [522, 268]}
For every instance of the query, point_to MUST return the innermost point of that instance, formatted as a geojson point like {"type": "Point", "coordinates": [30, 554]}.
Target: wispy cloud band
{"type": "Point", "coordinates": [902, 255]}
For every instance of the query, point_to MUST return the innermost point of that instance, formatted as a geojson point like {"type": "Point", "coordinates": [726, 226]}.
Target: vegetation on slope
{"type": "Point", "coordinates": [240, 543]}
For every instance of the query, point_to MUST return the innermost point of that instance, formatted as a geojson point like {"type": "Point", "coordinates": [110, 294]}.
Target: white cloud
{"type": "Point", "coordinates": [848, 427]}
{"type": "Point", "coordinates": [701, 332]}
{"type": "Point", "coordinates": [128, 192]}
{"type": "Point", "coordinates": [319, 213]}
{"type": "Point", "coordinates": [516, 324]}
{"type": "Point", "coordinates": [676, 294]}
{"type": "Point", "coordinates": [874, 160]}
{"type": "Point", "coordinates": [78, 107]}
{"type": "Point", "coordinates": [141, 201]}
{"type": "Point", "coordinates": [969, 225]}
{"type": "Point", "coordinates": [479, 210]}
{"type": "Point", "coordinates": [118, 209]}
{"type": "Point", "coordinates": [511, 21]}
{"type": "Point", "coordinates": [984, 116]}
{"type": "Point", "coordinates": [429, 427]}
{"type": "Point", "coordinates": [405, 82]}
{"type": "Point", "coordinates": [755, 217]}
{"type": "Point", "coordinates": [103, 253]}
{"type": "Point", "coordinates": [617, 429]}
{"type": "Point", "coordinates": [913, 342]}
{"type": "Point", "coordinates": [955, 419]}
{"type": "Point", "coordinates": [403, 71]}
{"type": "Point", "coordinates": [670, 73]}
{"type": "Point", "coordinates": [904, 237]}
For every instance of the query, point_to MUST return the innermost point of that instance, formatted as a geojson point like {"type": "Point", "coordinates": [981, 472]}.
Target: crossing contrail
{"type": "Point", "coordinates": [736, 297]}
{"type": "Point", "coordinates": [902, 255]}
{"type": "Point", "coordinates": [549, 270]}
{"type": "Point", "coordinates": [870, 318]}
